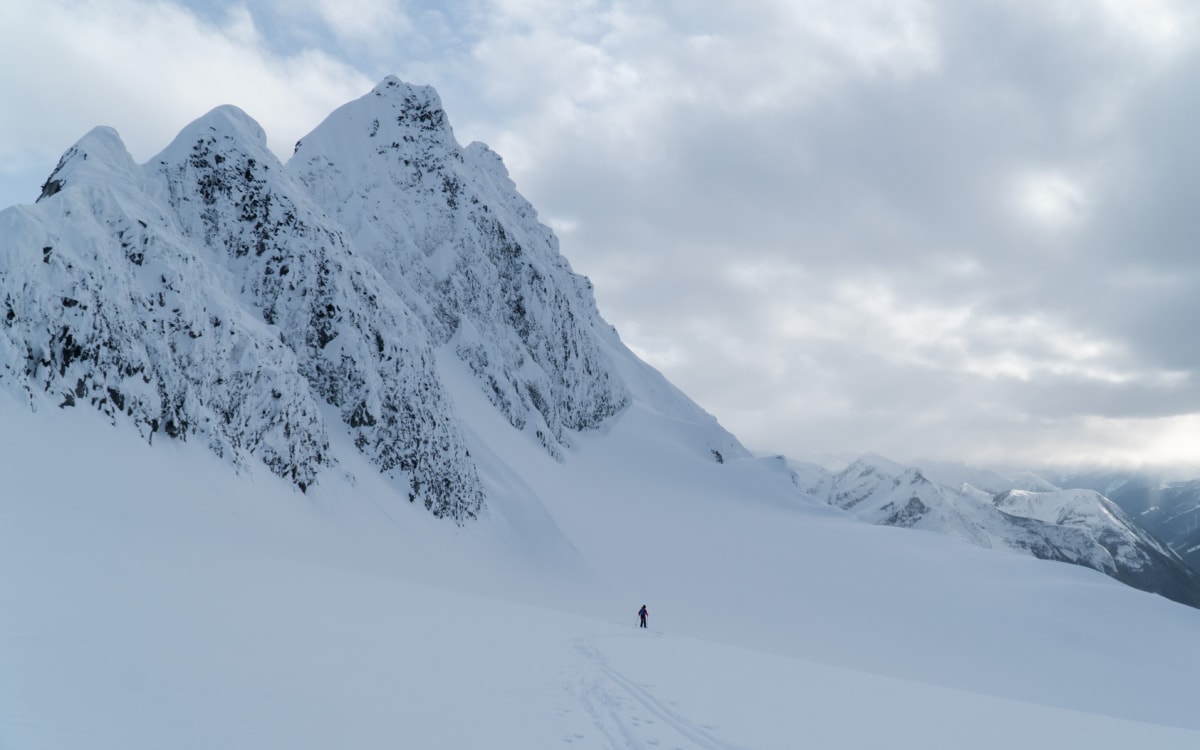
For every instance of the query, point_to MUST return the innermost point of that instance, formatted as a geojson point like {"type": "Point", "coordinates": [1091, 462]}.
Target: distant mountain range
{"type": "Point", "coordinates": [1024, 513]}
{"type": "Point", "coordinates": [1170, 510]}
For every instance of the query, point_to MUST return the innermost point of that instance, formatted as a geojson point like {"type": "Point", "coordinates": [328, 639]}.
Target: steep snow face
{"type": "Point", "coordinates": [1079, 527]}
{"type": "Point", "coordinates": [447, 229]}
{"type": "Point", "coordinates": [204, 295]}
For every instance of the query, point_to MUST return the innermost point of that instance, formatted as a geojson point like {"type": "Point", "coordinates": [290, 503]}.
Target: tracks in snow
{"type": "Point", "coordinates": [631, 717]}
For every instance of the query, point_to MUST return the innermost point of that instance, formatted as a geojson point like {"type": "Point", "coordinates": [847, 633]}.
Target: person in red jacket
{"type": "Point", "coordinates": [643, 614]}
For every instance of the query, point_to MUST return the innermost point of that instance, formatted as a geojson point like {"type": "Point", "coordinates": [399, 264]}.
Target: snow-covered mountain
{"type": "Point", "coordinates": [991, 481]}
{"type": "Point", "coordinates": [1081, 527]}
{"type": "Point", "coordinates": [1167, 508]}
{"type": "Point", "coordinates": [214, 294]}
{"type": "Point", "coordinates": [383, 324]}
{"type": "Point", "coordinates": [447, 229]}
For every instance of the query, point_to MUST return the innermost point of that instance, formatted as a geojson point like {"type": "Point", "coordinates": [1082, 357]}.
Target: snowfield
{"type": "Point", "coordinates": [340, 454]}
{"type": "Point", "coordinates": [154, 598]}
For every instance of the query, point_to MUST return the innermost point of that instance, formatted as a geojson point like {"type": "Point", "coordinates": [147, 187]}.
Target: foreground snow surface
{"type": "Point", "coordinates": [152, 598]}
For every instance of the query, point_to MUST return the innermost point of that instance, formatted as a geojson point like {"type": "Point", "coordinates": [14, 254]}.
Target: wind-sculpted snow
{"type": "Point", "coordinates": [448, 230]}
{"type": "Point", "coordinates": [1080, 526]}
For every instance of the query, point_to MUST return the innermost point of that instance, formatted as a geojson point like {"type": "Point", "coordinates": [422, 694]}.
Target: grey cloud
{"type": "Point", "coordinates": [905, 183]}
{"type": "Point", "coordinates": [943, 228]}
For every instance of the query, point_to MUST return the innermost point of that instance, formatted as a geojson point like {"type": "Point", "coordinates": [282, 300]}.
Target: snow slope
{"type": "Point", "coordinates": [156, 598]}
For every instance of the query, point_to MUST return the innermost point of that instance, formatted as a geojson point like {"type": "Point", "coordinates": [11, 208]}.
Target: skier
{"type": "Point", "coordinates": [642, 614]}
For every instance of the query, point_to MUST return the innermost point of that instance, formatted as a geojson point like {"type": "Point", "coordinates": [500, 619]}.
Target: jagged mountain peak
{"type": "Point", "coordinates": [403, 123]}
{"type": "Point", "coordinates": [214, 136]}
{"type": "Point", "coordinates": [98, 157]}
{"type": "Point", "coordinates": [416, 105]}
{"type": "Point", "coordinates": [876, 460]}
{"type": "Point", "coordinates": [447, 229]}
{"type": "Point", "coordinates": [228, 121]}
{"type": "Point", "coordinates": [214, 294]}
{"type": "Point", "coordinates": [875, 465]}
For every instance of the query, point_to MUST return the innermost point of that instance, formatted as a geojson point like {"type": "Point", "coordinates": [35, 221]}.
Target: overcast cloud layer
{"type": "Point", "coordinates": [941, 229]}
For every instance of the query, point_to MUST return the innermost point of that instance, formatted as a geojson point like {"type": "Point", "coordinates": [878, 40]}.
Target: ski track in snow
{"type": "Point", "coordinates": [631, 717]}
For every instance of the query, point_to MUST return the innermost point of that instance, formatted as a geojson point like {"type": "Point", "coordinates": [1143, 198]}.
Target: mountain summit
{"type": "Point", "coordinates": [447, 230]}
{"type": "Point", "coordinates": [216, 294]}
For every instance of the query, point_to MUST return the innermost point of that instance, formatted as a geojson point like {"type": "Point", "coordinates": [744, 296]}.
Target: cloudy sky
{"type": "Point", "coordinates": [960, 229]}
